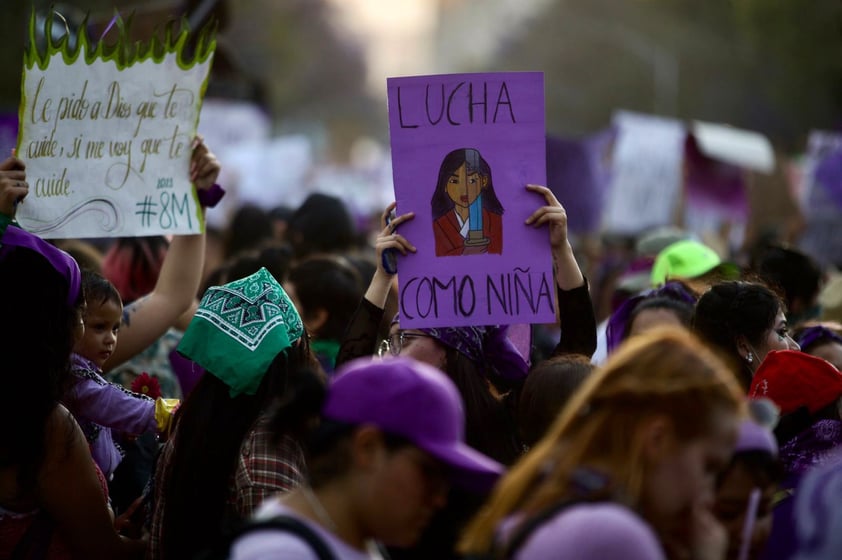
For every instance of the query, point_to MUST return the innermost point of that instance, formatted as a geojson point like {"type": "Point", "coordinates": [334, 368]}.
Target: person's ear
{"type": "Point", "coordinates": [658, 438]}
{"type": "Point", "coordinates": [315, 320]}
{"type": "Point", "coordinates": [484, 181]}
{"type": "Point", "coordinates": [744, 349]}
{"type": "Point", "coordinates": [367, 447]}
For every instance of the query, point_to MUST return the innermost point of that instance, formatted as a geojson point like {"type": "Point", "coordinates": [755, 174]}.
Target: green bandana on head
{"type": "Point", "coordinates": [240, 328]}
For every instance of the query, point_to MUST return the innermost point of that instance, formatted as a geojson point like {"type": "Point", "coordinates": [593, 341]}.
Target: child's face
{"type": "Point", "coordinates": [102, 323]}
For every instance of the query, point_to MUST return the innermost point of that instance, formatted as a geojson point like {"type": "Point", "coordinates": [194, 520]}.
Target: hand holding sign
{"type": "Point", "coordinates": [552, 214]}
{"type": "Point", "coordinates": [389, 240]}
{"type": "Point", "coordinates": [568, 274]}
{"type": "Point", "coordinates": [13, 185]}
{"type": "Point", "coordinates": [204, 167]}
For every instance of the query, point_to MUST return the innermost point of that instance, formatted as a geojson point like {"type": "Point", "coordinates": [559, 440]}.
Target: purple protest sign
{"type": "Point", "coordinates": [464, 147]}
{"type": "Point", "coordinates": [578, 173]}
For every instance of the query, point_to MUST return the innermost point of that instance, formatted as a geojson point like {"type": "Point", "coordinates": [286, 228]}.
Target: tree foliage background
{"type": "Point", "coordinates": [770, 65]}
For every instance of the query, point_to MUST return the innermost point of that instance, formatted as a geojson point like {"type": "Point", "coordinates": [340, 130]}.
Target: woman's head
{"type": "Point", "coordinates": [669, 305]}
{"type": "Point", "coordinates": [548, 387]}
{"type": "Point", "coordinates": [390, 440]}
{"type": "Point", "coordinates": [659, 420]}
{"type": "Point", "coordinates": [474, 358]}
{"type": "Point", "coordinates": [744, 321]}
{"type": "Point", "coordinates": [327, 291]}
{"type": "Point", "coordinates": [249, 339]}
{"type": "Point", "coordinates": [239, 329]}
{"type": "Point", "coordinates": [746, 488]}
{"type": "Point", "coordinates": [407, 441]}
{"type": "Point", "coordinates": [463, 176]}
{"type": "Point", "coordinates": [40, 288]}
{"type": "Point", "coordinates": [822, 340]}
{"type": "Point", "coordinates": [488, 348]}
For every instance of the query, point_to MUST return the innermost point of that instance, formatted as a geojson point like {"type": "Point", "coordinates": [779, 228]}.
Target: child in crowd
{"type": "Point", "coordinates": [100, 406]}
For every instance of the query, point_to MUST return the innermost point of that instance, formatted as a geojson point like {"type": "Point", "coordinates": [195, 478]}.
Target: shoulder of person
{"type": "Point", "coordinates": [594, 531]}
{"type": "Point", "coordinates": [272, 542]}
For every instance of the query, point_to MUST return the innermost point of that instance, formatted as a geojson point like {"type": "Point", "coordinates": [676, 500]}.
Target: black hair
{"type": "Point", "coordinates": [210, 428]}
{"type": "Point", "coordinates": [793, 272]}
{"type": "Point", "coordinates": [36, 349]}
{"type": "Point", "coordinates": [547, 389]}
{"type": "Point", "coordinates": [489, 423]}
{"type": "Point", "coordinates": [763, 467]}
{"type": "Point", "coordinates": [322, 224]}
{"type": "Point", "coordinates": [682, 309]}
{"type": "Point", "coordinates": [98, 290]}
{"type": "Point", "coordinates": [275, 259]}
{"type": "Point", "coordinates": [329, 284]}
{"type": "Point", "coordinates": [730, 310]}
{"type": "Point", "coordinates": [250, 228]}
{"type": "Point", "coordinates": [474, 163]}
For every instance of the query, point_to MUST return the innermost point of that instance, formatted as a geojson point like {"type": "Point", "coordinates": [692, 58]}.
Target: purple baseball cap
{"type": "Point", "coordinates": [416, 401]}
{"type": "Point", "coordinates": [63, 263]}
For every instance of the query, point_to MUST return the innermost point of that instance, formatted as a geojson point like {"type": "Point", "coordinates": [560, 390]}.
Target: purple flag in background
{"type": "Point", "coordinates": [828, 174]}
{"type": "Point", "coordinates": [713, 185]}
{"type": "Point", "coordinates": [578, 173]}
{"type": "Point", "coordinates": [464, 147]}
{"type": "Point", "coordinates": [8, 134]}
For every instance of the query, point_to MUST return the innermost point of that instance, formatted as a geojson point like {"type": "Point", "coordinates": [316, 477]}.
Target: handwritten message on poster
{"type": "Point", "coordinates": [646, 174]}
{"type": "Point", "coordinates": [463, 149]}
{"type": "Point", "coordinates": [107, 136]}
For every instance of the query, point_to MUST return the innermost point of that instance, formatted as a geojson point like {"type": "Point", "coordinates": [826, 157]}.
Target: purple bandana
{"type": "Point", "coordinates": [61, 261]}
{"type": "Point", "coordinates": [814, 446]}
{"type": "Point", "coordinates": [618, 323]}
{"type": "Point", "coordinates": [816, 334]}
{"type": "Point", "coordinates": [479, 344]}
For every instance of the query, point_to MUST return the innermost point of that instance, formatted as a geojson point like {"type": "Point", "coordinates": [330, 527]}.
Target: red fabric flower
{"type": "Point", "coordinates": [147, 385]}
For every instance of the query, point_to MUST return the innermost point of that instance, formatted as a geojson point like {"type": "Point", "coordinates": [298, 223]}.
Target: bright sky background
{"type": "Point", "coordinates": [397, 36]}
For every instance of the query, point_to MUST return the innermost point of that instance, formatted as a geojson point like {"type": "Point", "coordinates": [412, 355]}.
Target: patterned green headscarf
{"type": "Point", "coordinates": [239, 328]}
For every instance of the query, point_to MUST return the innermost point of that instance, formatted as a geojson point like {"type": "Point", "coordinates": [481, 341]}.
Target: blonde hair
{"type": "Point", "coordinates": [660, 373]}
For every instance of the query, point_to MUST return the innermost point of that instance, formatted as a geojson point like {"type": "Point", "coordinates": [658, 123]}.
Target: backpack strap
{"type": "Point", "coordinates": [289, 524]}
{"type": "Point", "coordinates": [525, 530]}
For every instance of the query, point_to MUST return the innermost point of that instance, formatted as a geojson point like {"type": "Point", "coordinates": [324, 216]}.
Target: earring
{"type": "Point", "coordinates": [749, 358]}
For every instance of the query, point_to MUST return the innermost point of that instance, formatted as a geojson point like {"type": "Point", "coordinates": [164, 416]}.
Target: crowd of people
{"type": "Point", "coordinates": [265, 400]}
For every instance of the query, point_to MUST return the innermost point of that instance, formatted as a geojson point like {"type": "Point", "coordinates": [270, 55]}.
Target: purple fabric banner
{"type": "Point", "coordinates": [464, 147]}
{"type": "Point", "coordinates": [578, 173]}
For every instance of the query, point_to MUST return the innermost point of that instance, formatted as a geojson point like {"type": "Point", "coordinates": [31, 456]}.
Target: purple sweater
{"type": "Point", "coordinates": [100, 406]}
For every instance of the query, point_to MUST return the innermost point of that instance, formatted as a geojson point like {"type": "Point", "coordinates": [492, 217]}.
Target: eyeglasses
{"type": "Point", "coordinates": [394, 344]}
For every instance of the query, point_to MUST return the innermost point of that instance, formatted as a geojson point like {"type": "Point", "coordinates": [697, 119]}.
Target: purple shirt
{"type": "Point", "coordinates": [100, 406]}
{"type": "Point", "coordinates": [590, 532]}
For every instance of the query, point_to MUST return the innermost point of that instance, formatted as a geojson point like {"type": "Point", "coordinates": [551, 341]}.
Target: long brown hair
{"type": "Point", "coordinates": [661, 373]}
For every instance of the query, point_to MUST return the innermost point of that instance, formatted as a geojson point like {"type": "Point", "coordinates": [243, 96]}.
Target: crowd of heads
{"type": "Point", "coordinates": [720, 390]}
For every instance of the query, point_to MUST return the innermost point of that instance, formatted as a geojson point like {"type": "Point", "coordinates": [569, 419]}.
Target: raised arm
{"type": "Point", "coordinates": [13, 188]}
{"type": "Point", "coordinates": [145, 320]}
{"type": "Point", "coordinates": [361, 335]}
{"type": "Point", "coordinates": [575, 309]}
